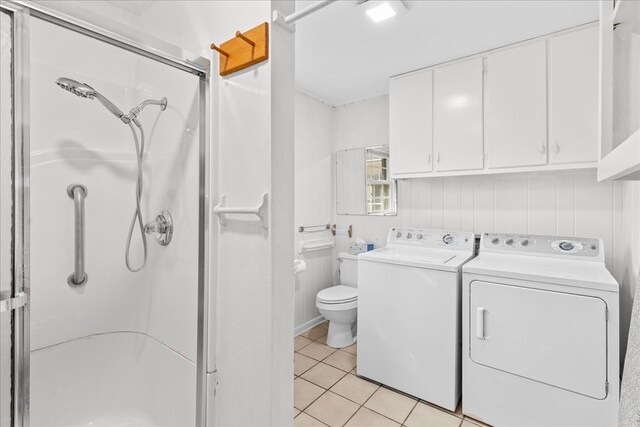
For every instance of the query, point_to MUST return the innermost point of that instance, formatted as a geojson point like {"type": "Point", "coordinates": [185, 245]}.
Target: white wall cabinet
{"type": "Point", "coordinates": [410, 123]}
{"type": "Point", "coordinates": [528, 107]}
{"type": "Point", "coordinates": [573, 107]}
{"type": "Point", "coordinates": [457, 116]}
{"type": "Point", "coordinates": [516, 107]}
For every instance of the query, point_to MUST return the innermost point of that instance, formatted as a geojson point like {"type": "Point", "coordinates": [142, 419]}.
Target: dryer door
{"type": "Point", "coordinates": [555, 338]}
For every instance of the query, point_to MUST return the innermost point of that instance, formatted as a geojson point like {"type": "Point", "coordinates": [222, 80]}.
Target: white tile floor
{"type": "Point", "coordinates": [328, 392]}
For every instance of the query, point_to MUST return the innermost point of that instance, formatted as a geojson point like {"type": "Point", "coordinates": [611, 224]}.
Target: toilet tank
{"type": "Point", "coordinates": [348, 269]}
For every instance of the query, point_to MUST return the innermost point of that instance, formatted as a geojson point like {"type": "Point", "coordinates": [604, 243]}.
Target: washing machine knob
{"type": "Point", "coordinates": [409, 235]}
{"type": "Point", "coordinates": [495, 240]}
{"type": "Point", "coordinates": [398, 234]}
{"type": "Point", "coordinates": [524, 242]}
{"type": "Point", "coordinates": [566, 246]}
{"type": "Point", "coordinates": [419, 236]}
{"type": "Point", "coordinates": [447, 239]}
{"type": "Point", "coordinates": [508, 242]}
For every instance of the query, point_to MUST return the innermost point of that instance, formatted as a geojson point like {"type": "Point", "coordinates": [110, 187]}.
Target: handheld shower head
{"type": "Point", "coordinates": [83, 90]}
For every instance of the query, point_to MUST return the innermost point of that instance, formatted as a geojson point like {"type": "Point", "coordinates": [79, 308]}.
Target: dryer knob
{"type": "Point", "coordinates": [398, 235]}
{"type": "Point", "coordinates": [524, 242]}
{"type": "Point", "coordinates": [419, 236]}
{"type": "Point", "coordinates": [509, 242]}
{"type": "Point", "coordinates": [495, 240]}
{"type": "Point", "coordinates": [447, 239]}
{"type": "Point", "coordinates": [409, 235]}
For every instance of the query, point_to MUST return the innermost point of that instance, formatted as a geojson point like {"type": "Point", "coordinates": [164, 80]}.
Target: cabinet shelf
{"type": "Point", "coordinates": [619, 90]}
{"type": "Point", "coordinates": [499, 171]}
{"type": "Point", "coordinates": [623, 161]}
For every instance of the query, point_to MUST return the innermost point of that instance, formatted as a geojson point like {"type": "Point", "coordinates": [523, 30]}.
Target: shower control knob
{"type": "Point", "coordinates": [419, 236]}
{"type": "Point", "coordinates": [161, 227]}
{"type": "Point", "coordinates": [409, 235]}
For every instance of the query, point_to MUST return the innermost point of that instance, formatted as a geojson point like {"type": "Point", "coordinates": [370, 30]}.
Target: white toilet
{"type": "Point", "coordinates": [339, 304]}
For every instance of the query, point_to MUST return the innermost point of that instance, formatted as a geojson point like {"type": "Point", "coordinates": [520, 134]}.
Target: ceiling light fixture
{"type": "Point", "coordinates": [380, 10]}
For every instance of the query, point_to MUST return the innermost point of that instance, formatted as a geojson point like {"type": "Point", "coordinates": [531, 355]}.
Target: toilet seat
{"type": "Point", "coordinates": [337, 295]}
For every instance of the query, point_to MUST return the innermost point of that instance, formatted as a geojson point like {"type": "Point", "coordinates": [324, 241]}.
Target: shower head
{"type": "Point", "coordinates": [83, 90]}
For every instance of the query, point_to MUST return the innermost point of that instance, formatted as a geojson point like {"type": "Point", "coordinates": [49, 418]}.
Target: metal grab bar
{"type": "Point", "coordinates": [78, 192]}
{"type": "Point", "coordinates": [305, 228]}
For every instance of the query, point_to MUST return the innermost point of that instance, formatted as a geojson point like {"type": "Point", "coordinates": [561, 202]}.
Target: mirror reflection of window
{"type": "Point", "coordinates": [379, 186]}
{"type": "Point", "coordinates": [363, 184]}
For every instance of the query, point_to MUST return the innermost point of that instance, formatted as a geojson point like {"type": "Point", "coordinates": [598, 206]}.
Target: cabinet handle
{"type": "Point", "coordinates": [556, 147]}
{"type": "Point", "coordinates": [543, 149]}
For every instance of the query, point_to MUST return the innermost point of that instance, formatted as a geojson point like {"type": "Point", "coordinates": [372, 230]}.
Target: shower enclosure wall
{"type": "Point", "coordinates": [124, 348]}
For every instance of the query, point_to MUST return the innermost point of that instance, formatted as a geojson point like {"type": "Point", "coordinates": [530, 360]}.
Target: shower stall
{"type": "Point", "coordinates": [103, 225]}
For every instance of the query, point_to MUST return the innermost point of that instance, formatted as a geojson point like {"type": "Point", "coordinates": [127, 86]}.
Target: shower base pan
{"type": "Point", "coordinates": [112, 379]}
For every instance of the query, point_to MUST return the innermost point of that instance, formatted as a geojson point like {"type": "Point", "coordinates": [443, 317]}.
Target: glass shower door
{"type": "Point", "coordinates": [122, 347]}
{"type": "Point", "coordinates": [117, 346]}
{"type": "Point", "coordinates": [6, 241]}
{"type": "Point", "coordinates": [13, 300]}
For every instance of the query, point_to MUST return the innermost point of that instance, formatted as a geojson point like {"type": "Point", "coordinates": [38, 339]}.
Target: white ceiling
{"type": "Point", "coordinates": [133, 6]}
{"type": "Point", "coordinates": [343, 57]}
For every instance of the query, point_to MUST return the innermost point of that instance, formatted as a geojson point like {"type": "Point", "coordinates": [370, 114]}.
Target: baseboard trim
{"type": "Point", "coordinates": [307, 325]}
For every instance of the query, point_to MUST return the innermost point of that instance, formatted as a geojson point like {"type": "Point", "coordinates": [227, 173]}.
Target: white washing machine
{"type": "Point", "coordinates": [540, 333]}
{"type": "Point", "coordinates": [409, 332]}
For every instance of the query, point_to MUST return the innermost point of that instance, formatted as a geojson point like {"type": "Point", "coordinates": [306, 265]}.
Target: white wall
{"type": "Point", "coordinates": [252, 296]}
{"type": "Point", "coordinates": [570, 203]}
{"type": "Point", "coordinates": [314, 185]}
{"type": "Point", "coordinates": [626, 258]}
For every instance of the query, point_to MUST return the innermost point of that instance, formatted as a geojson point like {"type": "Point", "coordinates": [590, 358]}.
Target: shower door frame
{"type": "Point", "coordinates": [22, 12]}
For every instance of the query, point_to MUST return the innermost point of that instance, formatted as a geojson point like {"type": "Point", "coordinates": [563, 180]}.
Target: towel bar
{"type": "Point", "coordinates": [261, 210]}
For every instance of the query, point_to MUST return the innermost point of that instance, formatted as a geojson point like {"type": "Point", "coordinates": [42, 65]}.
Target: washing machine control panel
{"type": "Point", "coordinates": [431, 238]}
{"type": "Point", "coordinates": [542, 245]}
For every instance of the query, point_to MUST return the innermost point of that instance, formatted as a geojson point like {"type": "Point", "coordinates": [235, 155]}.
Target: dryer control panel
{"type": "Point", "coordinates": [422, 237]}
{"type": "Point", "coordinates": [560, 246]}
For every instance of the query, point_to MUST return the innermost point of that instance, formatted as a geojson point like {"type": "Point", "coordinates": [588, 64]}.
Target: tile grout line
{"type": "Point", "coordinates": [350, 372]}
{"type": "Point", "coordinates": [410, 412]}
{"type": "Point", "coordinates": [309, 415]}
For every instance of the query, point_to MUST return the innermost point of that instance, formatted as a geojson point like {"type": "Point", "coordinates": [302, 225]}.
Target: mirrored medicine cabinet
{"type": "Point", "coordinates": [363, 183]}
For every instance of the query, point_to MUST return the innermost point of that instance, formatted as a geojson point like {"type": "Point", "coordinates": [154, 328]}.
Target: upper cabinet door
{"type": "Point", "coordinates": [410, 123]}
{"type": "Point", "coordinates": [573, 111]}
{"type": "Point", "coordinates": [516, 107]}
{"type": "Point", "coordinates": [457, 116]}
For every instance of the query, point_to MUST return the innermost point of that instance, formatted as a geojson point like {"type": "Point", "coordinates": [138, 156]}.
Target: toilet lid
{"type": "Point", "coordinates": [338, 294]}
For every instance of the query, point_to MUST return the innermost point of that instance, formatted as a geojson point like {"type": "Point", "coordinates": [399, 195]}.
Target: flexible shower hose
{"type": "Point", "coordinates": [137, 214]}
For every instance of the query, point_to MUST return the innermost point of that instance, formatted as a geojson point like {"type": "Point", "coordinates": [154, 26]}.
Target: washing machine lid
{"type": "Point", "coordinates": [337, 295]}
{"type": "Point", "coordinates": [434, 259]}
{"type": "Point", "coordinates": [570, 272]}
